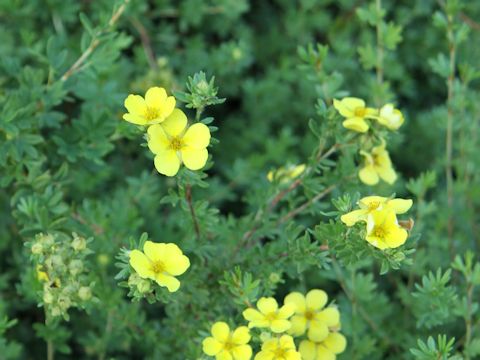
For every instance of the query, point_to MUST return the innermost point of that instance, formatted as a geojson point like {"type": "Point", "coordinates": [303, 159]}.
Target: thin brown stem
{"type": "Point", "coordinates": [379, 67]}
{"type": "Point", "coordinates": [188, 197]}
{"type": "Point", "coordinates": [146, 42]}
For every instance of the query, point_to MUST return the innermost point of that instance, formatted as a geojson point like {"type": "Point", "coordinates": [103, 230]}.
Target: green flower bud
{"type": "Point", "coordinates": [47, 297]}
{"type": "Point", "coordinates": [143, 286]}
{"type": "Point", "coordinates": [275, 277]}
{"type": "Point", "coordinates": [56, 261]}
{"type": "Point", "coordinates": [85, 293]}
{"type": "Point", "coordinates": [103, 259]}
{"type": "Point", "coordinates": [134, 279]}
{"type": "Point", "coordinates": [37, 248]}
{"type": "Point", "coordinates": [56, 311]}
{"type": "Point", "coordinates": [79, 244]}
{"type": "Point", "coordinates": [76, 267]}
{"type": "Point", "coordinates": [64, 303]}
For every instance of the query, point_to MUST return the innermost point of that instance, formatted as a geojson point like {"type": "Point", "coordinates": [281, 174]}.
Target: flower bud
{"type": "Point", "coordinates": [79, 243]}
{"type": "Point", "coordinates": [143, 286]}
{"type": "Point", "coordinates": [133, 279]}
{"type": "Point", "coordinates": [56, 311]}
{"type": "Point", "coordinates": [57, 261]}
{"type": "Point", "coordinates": [76, 267]}
{"type": "Point", "coordinates": [37, 248]}
{"type": "Point", "coordinates": [85, 293]}
{"type": "Point", "coordinates": [47, 297]}
{"type": "Point", "coordinates": [64, 302]}
{"type": "Point", "coordinates": [103, 259]}
{"type": "Point", "coordinates": [275, 277]}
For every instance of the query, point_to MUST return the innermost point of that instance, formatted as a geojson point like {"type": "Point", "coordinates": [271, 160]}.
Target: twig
{"type": "Point", "coordinates": [378, 4]}
{"type": "Point", "coordinates": [146, 42]}
{"type": "Point", "coordinates": [188, 197]}
{"type": "Point", "coordinates": [79, 64]}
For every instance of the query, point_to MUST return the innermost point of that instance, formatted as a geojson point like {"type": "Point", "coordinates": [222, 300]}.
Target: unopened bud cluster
{"type": "Point", "coordinates": [61, 266]}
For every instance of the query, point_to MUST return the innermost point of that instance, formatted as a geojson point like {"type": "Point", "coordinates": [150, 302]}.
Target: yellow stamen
{"type": "Point", "coordinates": [158, 267]}
{"type": "Point", "coordinates": [360, 111]}
{"type": "Point", "coordinates": [176, 144]}
{"type": "Point", "coordinates": [151, 113]}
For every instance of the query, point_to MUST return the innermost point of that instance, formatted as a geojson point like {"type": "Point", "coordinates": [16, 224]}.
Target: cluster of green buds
{"type": "Point", "coordinates": [201, 92]}
{"type": "Point", "coordinates": [60, 265]}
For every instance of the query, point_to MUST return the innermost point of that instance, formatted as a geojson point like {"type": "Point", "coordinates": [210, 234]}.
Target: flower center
{"type": "Point", "coordinates": [279, 353]}
{"type": "Point", "coordinates": [151, 113]}
{"type": "Point", "coordinates": [176, 144]}
{"type": "Point", "coordinates": [373, 205]}
{"type": "Point", "coordinates": [360, 111]}
{"type": "Point", "coordinates": [271, 316]}
{"type": "Point", "coordinates": [380, 232]}
{"type": "Point", "coordinates": [229, 345]}
{"type": "Point", "coordinates": [309, 315]}
{"type": "Point", "coordinates": [158, 267]}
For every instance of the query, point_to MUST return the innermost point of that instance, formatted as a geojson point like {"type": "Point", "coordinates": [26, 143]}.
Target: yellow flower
{"type": "Point", "coordinates": [390, 117]}
{"type": "Point", "coordinates": [269, 315]}
{"type": "Point", "coordinates": [377, 166]}
{"type": "Point", "coordinates": [369, 204]}
{"type": "Point", "coordinates": [227, 345]}
{"type": "Point", "coordinates": [383, 230]}
{"type": "Point", "coordinates": [282, 348]}
{"type": "Point", "coordinates": [335, 343]}
{"type": "Point", "coordinates": [285, 174]}
{"type": "Point", "coordinates": [310, 314]}
{"type": "Point", "coordinates": [152, 110]}
{"type": "Point", "coordinates": [355, 113]}
{"type": "Point", "coordinates": [41, 275]}
{"type": "Point", "coordinates": [160, 262]}
{"type": "Point", "coordinates": [174, 143]}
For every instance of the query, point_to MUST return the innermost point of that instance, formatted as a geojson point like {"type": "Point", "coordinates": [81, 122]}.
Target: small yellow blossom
{"type": "Point", "coordinates": [383, 230]}
{"type": "Point", "coordinates": [160, 262]}
{"type": "Point", "coordinates": [390, 117]}
{"type": "Point", "coordinates": [369, 204]}
{"type": "Point", "coordinates": [311, 315]}
{"type": "Point", "coordinates": [174, 143]}
{"type": "Point", "coordinates": [285, 174]}
{"type": "Point", "coordinates": [282, 348]}
{"type": "Point", "coordinates": [228, 345]}
{"type": "Point", "coordinates": [269, 315]}
{"type": "Point", "coordinates": [355, 113]}
{"type": "Point", "coordinates": [154, 109]}
{"type": "Point", "coordinates": [328, 349]}
{"type": "Point", "coordinates": [41, 275]}
{"type": "Point", "coordinates": [377, 166]}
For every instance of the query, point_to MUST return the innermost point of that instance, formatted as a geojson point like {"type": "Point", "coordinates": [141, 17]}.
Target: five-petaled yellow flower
{"type": "Point", "coordinates": [154, 109]}
{"type": "Point", "coordinates": [383, 230]}
{"type": "Point", "coordinates": [269, 315]}
{"type": "Point", "coordinates": [355, 112]}
{"type": "Point", "coordinates": [228, 345]}
{"type": "Point", "coordinates": [282, 348]}
{"type": "Point", "coordinates": [174, 143]}
{"type": "Point", "coordinates": [310, 314]}
{"type": "Point", "coordinates": [160, 262]}
{"type": "Point", "coordinates": [377, 166]}
{"type": "Point", "coordinates": [370, 204]}
{"type": "Point", "coordinates": [335, 343]}
{"type": "Point", "coordinates": [390, 117]}
{"type": "Point", "coordinates": [285, 174]}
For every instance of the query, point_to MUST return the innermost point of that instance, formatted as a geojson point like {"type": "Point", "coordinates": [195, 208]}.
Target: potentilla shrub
{"type": "Point", "coordinates": [202, 180]}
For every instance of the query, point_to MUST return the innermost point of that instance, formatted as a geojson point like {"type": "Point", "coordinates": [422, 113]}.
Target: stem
{"type": "Point", "coordinates": [79, 64]}
{"type": "Point", "coordinates": [108, 330]}
{"type": "Point", "coordinates": [50, 350]}
{"type": "Point", "coordinates": [468, 318]}
{"type": "Point", "coordinates": [449, 135]}
{"type": "Point", "coordinates": [378, 4]}
{"type": "Point", "coordinates": [188, 197]}
{"type": "Point", "coordinates": [146, 43]}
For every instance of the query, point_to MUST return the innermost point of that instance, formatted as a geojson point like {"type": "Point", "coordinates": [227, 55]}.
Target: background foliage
{"type": "Point", "coordinates": [69, 164]}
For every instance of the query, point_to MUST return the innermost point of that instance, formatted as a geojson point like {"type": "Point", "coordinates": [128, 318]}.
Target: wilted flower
{"type": "Point", "coordinates": [173, 143]}
{"type": "Point", "coordinates": [226, 344]}
{"type": "Point", "coordinates": [311, 315]}
{"type": "Point", "coordinates": [154, 109]}
{"type": "Point", "coordinates": [160, 262]}
{"type": "Point", "coordinates": [269, 315]}
{"type": "Point", "coordinates": [355, 113]}
{"type": "Point", "coordinates": [377, 166]}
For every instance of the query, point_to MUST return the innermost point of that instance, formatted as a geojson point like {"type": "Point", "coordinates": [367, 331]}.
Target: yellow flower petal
{"type": "Point", "coordinates": [241, 335]}
{"type": "Point", "coordinates": [293, 355]}
{"type": "Point", "coordinates": [396, 237]}
{"type": "Point", "coordinates": [317, 331]}
{"type": "Point", "coordinates": [224, 355]}
{"type": "Point", "coordinates": [279, 326]}
{"type": "Point", "coordinates": [298, 299]}
{"type": "Point", "coordinates": [308, 350]}
{"type": "Point", "coordinates": [263, 355]}
{"type": "Point", "coordinates": [211, 346]}
{"type": "Point", "coordinates": [141, 264]}
{"type": "Point", "coordinates": [356, 124]}
{"type": "Point", "coordinates": [135, 105]}
{"type": "Point", "coordinates": [316, 299]}
{"type": "Point", "coordinates": [170, 282]}
{"type": "Point", "coordinates": [221, 331]}
{"type": "Point", "coordinates": [135, 119]}
{"type": "Point", "coordinates": [157, 139]}
{"type": "Point", "coordinates": [175, 123]}
{"type": "Point", "coordinates": [299, 325]}
{"type": "Point", "coordinates": [167, 163]}
{"type": "Point", "coordinates": [330, 316]}
{"type": "Point", "coordinates": [400, 206]}
{"type": "Point", "coordinates": [194, 159]}
{"type": "Point", "coordinates": [242, 352]}
{"type": "Point", "coordinates": [286, 311]}
{"type": "Point", "coordinates": [154, 251]}
{"type": "Point", "coordinates": [335, 342]}
{"type": "Point", "coordinates": [368, 175]}
{"type": "Point", "coordinates": [353, 217]}
{"type": "Point", "coordinates": [286, 342]}
{"type": "Point", "coordinates": [253, 315]}
{"type": "Point", "coordinates": [346, 107]}
{"type": "Point", "coordinates": [177, 265]}
{"type": "Point", "coordinates": [155, 96]}
{"type": "Point", "coordinates": [325, 353]}
{"type": "Point", "coordinates": [267, 305]}
{"type": "Point", "coordinates": [197, 136]}
{"type": "Point", "coordinates": [387, 174]}
{"type": "Point", "coordinates": [372, 202]}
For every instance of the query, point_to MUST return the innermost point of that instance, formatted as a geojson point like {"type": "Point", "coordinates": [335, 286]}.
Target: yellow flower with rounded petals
{"type": "Point", "coordinates": [377, 166]}
{"type": "Point", "coordinates": [282, 348]}
{"type": "Point", "coordinates": [228, 345]}
{"type": "Point", "coordinates": [390, 117]}
{"type": "Point", "coordinates": [383, 230]}
{"type": "Point", "coordinates": [369, 204]}
{"type": "Point", "coordinates": [355, 112]}
{"type": "Point", "coordinates": [160, 262]}
{"type": "Point", "coordinates": [285, 174]}
{"type": "Point", "coordinates": [328, 349]}
{"type": "Point", "coordinates": [269, 315]}
{"type": "Point", "coordinates": [154, 109]}
{"type": "Point", "coordinates": [174, 143]}
{"type": "Point", "coordinates": [311, 315]}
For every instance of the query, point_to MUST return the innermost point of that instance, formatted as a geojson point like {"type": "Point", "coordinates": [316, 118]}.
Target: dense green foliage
{"type": "Point", "coordinates": [79, 181]}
